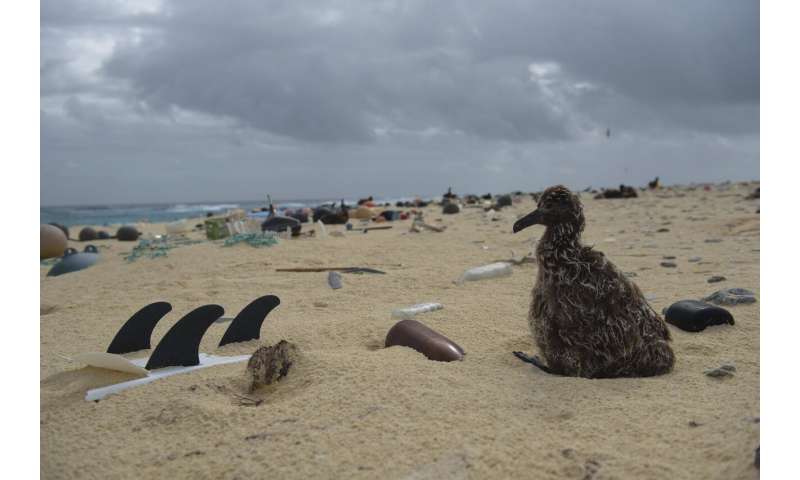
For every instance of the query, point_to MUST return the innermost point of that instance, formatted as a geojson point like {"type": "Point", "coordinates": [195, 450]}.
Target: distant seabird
{"type": "Point", "coordinates": [588, 319]}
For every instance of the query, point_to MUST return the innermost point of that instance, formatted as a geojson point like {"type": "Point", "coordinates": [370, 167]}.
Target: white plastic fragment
{"type": "Point", "coordinates": [117, 362]}
{"type": "Point", "coordinates": [410, 312]}
{"type": "Point", "coordinates": [323, 232]}
{"type": "Point", "coordinates": [493, 270]}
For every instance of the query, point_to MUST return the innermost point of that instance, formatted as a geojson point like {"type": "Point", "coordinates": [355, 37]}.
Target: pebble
{"type": "Point", "coordinates": [334, 280]}
{"type": "Point", "coordinates": [662, 230]}
{"type": "Point", "coordinates": [669, 264]}
{"type": "Point", "coordinates": [724, 370]}
{"type": "Point", "coordinates": [713, 240]}
{"type": "Point", "coordinates": [695, 259]}
{"type": "Point", "coordinates": [668, 257]}
{"type": "Point", "coordinates": [716, 278]}
{"type": "Point", "coordinates": [731, 296]}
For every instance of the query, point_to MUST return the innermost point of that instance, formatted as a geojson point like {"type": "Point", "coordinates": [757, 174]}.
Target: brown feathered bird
{"type": "Point", "coordinates": [587, 318]}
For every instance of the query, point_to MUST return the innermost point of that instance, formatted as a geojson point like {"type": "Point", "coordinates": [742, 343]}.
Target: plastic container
{"type": "Point", "coordinates": [493, 270]}
{"type": "Point", "coordinates": [414, 310]}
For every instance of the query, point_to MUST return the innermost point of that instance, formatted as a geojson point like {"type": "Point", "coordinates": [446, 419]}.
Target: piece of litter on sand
{"type": "Point", "coordinates": [412, 311]}
{"type": "Point", "coordinates": [432, 344]}
{"type": "Point", "coordinates": [335, 280]}
{"type": "Point", "coordinates": [117, 362]}
{"type": "Point", "coordinates": [731, 296]}
{"type": "Point", "coordinates": [331, 269]}
{"type": "Point", "coordinates": [493, 270]}
{"type": "Point", "coordinates": [724, 370]}
{"type": "Point", "coordinates": [695, 316]}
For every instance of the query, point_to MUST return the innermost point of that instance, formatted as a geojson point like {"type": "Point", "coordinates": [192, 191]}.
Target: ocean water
{"type": "Point", "coordinates": [168, 212]}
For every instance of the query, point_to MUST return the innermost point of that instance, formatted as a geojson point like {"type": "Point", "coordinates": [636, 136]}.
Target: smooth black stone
{"type": "Point", "coordinates": [695, 316]}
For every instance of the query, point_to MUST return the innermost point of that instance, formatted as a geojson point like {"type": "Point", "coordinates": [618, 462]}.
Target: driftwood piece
{"type": "Point", "coordinates": [270, 364]}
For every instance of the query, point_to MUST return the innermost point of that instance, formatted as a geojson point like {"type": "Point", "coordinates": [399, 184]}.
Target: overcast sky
{"type": "Point", "coordinates": [209, 100]}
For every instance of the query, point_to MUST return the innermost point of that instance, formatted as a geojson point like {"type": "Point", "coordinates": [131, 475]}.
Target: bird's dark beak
{"type": "Point", "coordinates": [533, 218]}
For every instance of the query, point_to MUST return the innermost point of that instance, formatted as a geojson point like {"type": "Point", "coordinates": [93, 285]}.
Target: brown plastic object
{"type": "Point", "coordinates": [432, 344]}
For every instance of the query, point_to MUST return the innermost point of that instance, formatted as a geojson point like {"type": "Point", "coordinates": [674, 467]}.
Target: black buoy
{"type": "Point", "coordinates": [103, 235]}
{"type": "Point", "coordinates": [87, 234]}
{"type": "Point", "coordinates": [127, 233]}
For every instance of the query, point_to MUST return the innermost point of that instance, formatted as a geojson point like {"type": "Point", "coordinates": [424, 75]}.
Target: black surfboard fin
{"type": "Point", "coordinates": [181, 344]}
{"type": "Point", "coordinates": [135, 334]}
{"type": "Point", "coordinates": [247, 325]}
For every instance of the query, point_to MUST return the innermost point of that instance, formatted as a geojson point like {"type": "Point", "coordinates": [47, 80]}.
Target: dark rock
{"type": "Point", "coordinates": [662, 230]}
{"type": "Point", "coordinates": [731, 296]}
{"type": "Point", "coordinates": [669, 264]}
{"type": "Point", "coordinates": [695, 259]}
{"type": "Point", "coordinates": [716, 278]}
{"type": "Point", "coordinates": [668, 257]}
{"type": "Point", "coordinates": [695, 316]}
{"type": "Point", "coordinates": [694, 424]}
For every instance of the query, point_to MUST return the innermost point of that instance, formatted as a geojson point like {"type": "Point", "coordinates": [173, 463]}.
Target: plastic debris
{"type": "Point", "coordinates": [412, 311]}
{"type": "Point", "coordinates": [493, 270]}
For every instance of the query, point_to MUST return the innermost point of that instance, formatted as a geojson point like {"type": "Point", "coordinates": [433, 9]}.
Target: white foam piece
{"type": "Point", "coordinates": [412, 311]}
{"type": "Point", "coordinates": [113, 361]}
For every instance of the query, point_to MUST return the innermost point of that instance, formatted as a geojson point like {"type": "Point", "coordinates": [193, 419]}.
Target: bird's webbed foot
{"type": "Point", "coordinates": [533, 360]}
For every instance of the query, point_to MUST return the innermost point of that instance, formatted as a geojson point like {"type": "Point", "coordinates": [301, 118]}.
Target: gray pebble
{"type": "Point", "coordinates": [724, 370]}
{"type": "Point", "coordinates": [334, 280]}
{"type": "Point", "coordinates": [731, 296]}
{"type": "Point", "coordinates": [716, 278]}
{"type": "Point", "coordinates": [713, 240]}
{"type": "Point", "coordinates": [669, 264]}
{"type": "Point", "coordinates": [668, 257]}
{"type": "Point", "coordinates": [695, 259]}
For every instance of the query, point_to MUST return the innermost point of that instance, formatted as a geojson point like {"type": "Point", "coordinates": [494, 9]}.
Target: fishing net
{"type": "Point", "coordinates": [252, 239]}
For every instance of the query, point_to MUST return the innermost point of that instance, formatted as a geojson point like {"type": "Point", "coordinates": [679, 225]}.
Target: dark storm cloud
{"type": "Point", "coordinates": [321, 82]}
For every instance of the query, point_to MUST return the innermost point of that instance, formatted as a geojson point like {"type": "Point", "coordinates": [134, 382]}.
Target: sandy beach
{"type": "Point", "coordinates": [350, 408]}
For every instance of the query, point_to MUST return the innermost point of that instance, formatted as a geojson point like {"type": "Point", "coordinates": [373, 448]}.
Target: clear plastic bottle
{"type": "Point", "coordinates": [492, 270]}
{"type": "Point", "coordinates": [410, 312]}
